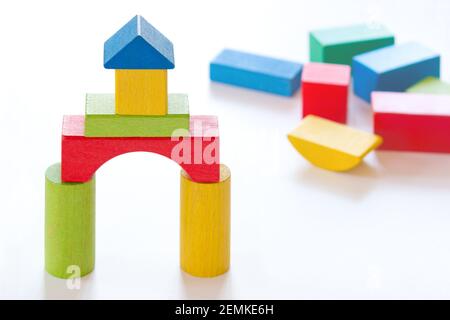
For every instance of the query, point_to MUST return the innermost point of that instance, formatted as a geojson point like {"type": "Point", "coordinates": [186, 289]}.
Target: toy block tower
{"type": "Point", "coordinates": [141, 55]}
{"type": "Point", "coordinates": [140, 116]}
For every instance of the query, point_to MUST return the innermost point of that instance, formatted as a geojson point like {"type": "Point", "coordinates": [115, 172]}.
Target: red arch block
{"type": "Point", "coordinates": [197, 153]}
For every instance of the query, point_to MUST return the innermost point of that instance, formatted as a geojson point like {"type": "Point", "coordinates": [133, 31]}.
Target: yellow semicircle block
{"type": "Point", "coordinates": [330, 145]}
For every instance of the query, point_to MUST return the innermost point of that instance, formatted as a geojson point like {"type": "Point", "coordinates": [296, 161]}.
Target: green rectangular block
{"type": "Point", "coordinates": [340, 45]}
{"type": "Point", "coordinates": [430, 85]}
{"type": "Point", "coordinates": [101, 120]}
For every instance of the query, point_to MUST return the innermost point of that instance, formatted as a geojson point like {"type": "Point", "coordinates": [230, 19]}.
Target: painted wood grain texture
{"type": "Point", "coordinates": [141, 92]}
{"type": "Point", "coordinates": [205, 225]}
{"type": "Point", "coordinates": [412, 121]}
{"type": "Point", "coordinates": [198, 154]}
{"type": "Point", "coordinates": [330, 145]}
{"type": "Point", "coordinates": [138, 45]}
{"type": "Point", "coordinates": [69, 225]}
{"type": "Point", "coordinates": [339, 45]}
{"type": "Point", "coordinates": [393, 68]}
{"type": "Point", "coordinates": [102, 121]}
{"type": "Point", "coordinates": [430, 85]}
{"type": "Point", "coordinates": [256, 72]}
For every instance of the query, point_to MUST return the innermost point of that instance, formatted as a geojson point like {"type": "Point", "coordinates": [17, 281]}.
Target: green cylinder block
{"type": "Point", "coordinates": [69, 225]}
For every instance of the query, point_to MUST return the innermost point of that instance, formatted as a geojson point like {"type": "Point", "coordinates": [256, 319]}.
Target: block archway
{"type": "Point", "coordinates": [82, 156]}
{"type": "Point", "coordinates": [70, 201]}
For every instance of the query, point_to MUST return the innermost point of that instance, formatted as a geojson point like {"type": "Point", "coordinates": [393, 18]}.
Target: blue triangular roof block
{"type": "Point", "coordinates": [138, 45]}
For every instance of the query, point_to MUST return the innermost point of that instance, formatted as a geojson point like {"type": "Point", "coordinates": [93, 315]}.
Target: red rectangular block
{"type": "Point", "coordinates": [197, 153]}
{"type": "Point", "coordinates": [325, 90]}
{"type": "Point", "coordinates": [412, 122]}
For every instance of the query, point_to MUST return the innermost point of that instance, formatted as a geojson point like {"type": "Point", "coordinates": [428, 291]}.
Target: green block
{"type": "Point", "coordinates": [430, 85]}
{"type": "Point", "coordinates": [69, 225]}
{"type": "Point", "coordinates": [101, 120]}
{"type": "Point", "coordinates": [340, 45]}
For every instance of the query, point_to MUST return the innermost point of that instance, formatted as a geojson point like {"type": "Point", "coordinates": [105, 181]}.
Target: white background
{"type": "Point", "coordinates": [381, 231]}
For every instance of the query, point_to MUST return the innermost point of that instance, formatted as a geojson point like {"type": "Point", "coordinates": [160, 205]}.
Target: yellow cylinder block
{"type": "Point", "coordinates": [205, 225]}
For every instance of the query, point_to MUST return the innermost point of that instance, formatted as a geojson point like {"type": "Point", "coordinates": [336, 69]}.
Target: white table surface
{"type": "Point", "coordinates": [381, 231]}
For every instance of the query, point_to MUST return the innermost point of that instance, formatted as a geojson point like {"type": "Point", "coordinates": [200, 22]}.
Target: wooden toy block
{"type": "Point", "coordinates": [197, 154]}
{"type": "Point", "coordinates": [102, 121]}
{"type": "Point", "coordinates": [256, 72]}
{"type": "Point", "coordinates": [330, 145]}
{"type": "Point", "coordinates": [205, 225]}
{"type": "Point", "coordinates": [430, 85]}
{"type": "Point", "coordinates": [138, 45]}
{"type": "Point", "coordinates": [69, 225]}
{"type": "Point", "coordinates": [394, 68]}
{"type": "Point", "coordinates": [141, 92]}
{"type": "Point", "coordinates": [412, 122]}
{"type": "Point", "coordinates": [340, 45]}
{"type": "Point", "coordinates": [325, 90]}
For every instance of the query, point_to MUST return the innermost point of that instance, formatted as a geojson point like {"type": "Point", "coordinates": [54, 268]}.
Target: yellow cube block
{"type": "Point", "coordinates": [141, 92]}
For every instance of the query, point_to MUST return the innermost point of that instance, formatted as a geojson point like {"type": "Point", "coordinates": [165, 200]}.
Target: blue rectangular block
{"type": "Point", "coordinates": [393, 68]}
{"type": "Point", "coordinates": [256, 72]}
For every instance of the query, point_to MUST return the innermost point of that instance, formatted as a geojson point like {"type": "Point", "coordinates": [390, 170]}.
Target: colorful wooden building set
{"type": "Point", "coordinates": [140, 116]}
{"type": "Point", "coordinates": [410, 104]}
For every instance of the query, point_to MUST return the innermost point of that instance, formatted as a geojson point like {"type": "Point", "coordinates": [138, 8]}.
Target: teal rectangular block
{"type": "Point", "coordinates": [340, 45]}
